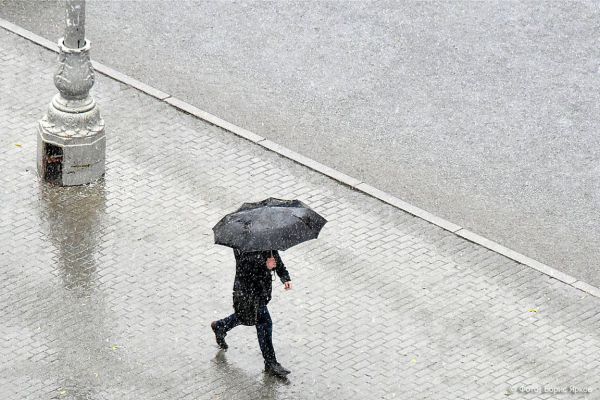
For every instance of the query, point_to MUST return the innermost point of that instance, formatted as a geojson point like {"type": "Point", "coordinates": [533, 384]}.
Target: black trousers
{"type": "Point", "coordinates": [264, 331]}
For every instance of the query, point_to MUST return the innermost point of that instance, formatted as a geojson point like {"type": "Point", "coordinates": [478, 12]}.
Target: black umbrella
{"type": "Point", "coordinates": [271, 224]}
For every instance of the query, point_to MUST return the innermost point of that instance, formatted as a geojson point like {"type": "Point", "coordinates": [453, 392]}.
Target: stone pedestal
{"type": "Point", "coordinates": [71, 140]}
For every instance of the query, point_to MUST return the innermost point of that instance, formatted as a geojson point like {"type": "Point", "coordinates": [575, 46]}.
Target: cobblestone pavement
{"type": "Point", "coordinates": [107, 291]}
{"type": "Point", "coordinates": [496, 101]}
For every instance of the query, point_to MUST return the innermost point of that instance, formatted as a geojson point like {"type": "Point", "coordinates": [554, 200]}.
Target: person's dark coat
{"type": "Point", "coordinates": [252, 275]}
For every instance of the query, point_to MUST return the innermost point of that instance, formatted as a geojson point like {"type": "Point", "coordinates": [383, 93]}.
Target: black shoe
{"type": "Point", "coordinates": [276, 369]}
{"type": "Point", "coordinates": [219, 336]}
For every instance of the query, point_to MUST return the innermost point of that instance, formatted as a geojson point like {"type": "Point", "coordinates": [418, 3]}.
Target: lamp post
{"type": "Point", "coordinates": [71, 147]}
{"type": "Point", "coordinates": [75, 30]}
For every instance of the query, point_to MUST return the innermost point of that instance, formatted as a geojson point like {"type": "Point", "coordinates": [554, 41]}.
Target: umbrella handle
{"type": "Point", "coordinates": [272, 272]}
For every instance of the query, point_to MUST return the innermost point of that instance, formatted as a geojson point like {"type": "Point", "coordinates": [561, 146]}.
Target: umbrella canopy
{"type": "Point", "coordinates": [270, 224]}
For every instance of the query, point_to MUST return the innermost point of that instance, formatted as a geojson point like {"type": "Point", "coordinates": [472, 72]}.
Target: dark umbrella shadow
{"type": "Point", "coordinates": [265, 388]}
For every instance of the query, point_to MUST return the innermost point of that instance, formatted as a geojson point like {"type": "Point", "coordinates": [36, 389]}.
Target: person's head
{"type": "Point", "coordinates": [271, 262]}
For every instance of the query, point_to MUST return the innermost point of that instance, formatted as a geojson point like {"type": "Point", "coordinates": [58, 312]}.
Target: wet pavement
{"type": "Point", "coordinates": [483, 113]}
{"type": "Point", "coordinates": [107, 291]}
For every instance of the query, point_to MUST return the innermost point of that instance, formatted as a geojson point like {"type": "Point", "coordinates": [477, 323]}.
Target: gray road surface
{"type": "Point", "coordinates": [483, 113]}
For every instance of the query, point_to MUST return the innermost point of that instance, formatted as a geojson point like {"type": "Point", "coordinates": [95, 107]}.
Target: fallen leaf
{"type": "Point", "coordinates": [18, 145]}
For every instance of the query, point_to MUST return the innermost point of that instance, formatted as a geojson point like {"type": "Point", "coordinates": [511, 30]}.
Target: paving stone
{"type": "Point", "coordinates": [107, 291]}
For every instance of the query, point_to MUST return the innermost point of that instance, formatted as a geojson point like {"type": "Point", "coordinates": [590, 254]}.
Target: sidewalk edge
{"type": "Point", "coordinates": [332, 173]}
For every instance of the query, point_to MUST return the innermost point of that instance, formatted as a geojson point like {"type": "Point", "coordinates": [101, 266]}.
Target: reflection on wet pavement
{"type": "Point", "coordinates": [73, 217]}
{"type": "Point", "coordinates": [267, 387]}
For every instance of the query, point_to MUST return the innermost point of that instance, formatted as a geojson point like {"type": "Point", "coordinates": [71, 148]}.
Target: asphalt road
{"type": "Point", "coordinates": [484, 113]}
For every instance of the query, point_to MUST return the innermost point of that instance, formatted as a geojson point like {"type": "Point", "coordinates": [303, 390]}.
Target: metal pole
{"type": "Point", "coordinates": [71, 139]}
{"type": "Point", "coordinates": [75, 30]}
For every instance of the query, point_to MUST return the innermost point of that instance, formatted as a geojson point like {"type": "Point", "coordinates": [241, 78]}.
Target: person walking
{"type": "Point", "coordinates": [251, 293]}
{"type": "Point", "coordinates": [256, 231]}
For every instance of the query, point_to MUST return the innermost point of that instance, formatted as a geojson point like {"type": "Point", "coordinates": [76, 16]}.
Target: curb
{"type": "Point", "coordinates": [338, 176]}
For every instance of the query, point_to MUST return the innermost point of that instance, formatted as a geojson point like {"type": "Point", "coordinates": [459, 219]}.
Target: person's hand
{"type": "Point", "coordinates": [287, 285]}
{"type": "Point", "coordinates": [271, 263]}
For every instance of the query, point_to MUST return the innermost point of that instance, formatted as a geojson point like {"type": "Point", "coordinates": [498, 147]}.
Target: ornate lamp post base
{"type": "Point", "coordinates": [71, 144]}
